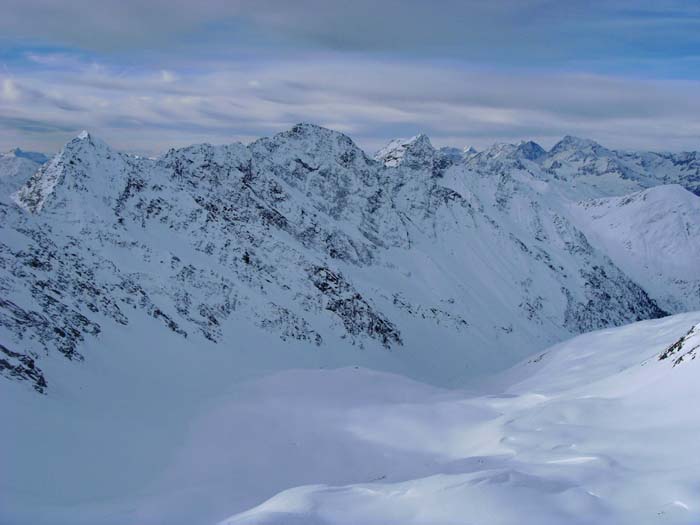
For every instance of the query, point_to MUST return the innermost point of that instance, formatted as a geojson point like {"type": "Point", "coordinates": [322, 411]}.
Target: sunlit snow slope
{"type": "Point", "coordinates": [598, 429]}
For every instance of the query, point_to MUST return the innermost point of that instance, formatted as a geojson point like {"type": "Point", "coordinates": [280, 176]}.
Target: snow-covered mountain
{"type": "Point", "coordinates": [592, 168]}
{"type": "Point", "coordinates": [433, 267]}
{"type": "Point", "coordinates": [654, 237]}
{"type": "Point", "coordinates": [580, 168]}
{"type": "Point", "coordinates": [181, 314]}
{"type": "Point", "coordinates": [16, 167]}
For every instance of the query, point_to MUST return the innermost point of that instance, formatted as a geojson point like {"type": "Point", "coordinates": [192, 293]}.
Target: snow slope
{"type": "Point", "coordinates": [654, 237]}
{"type": "Point", "coordinates": [594, 430]}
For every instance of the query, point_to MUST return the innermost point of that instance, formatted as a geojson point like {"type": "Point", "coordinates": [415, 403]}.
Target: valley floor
{"type": "Point", "coordinates": [595, 430]}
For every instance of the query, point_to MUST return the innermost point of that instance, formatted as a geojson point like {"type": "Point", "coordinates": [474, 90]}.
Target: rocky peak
{"type": "Point", "coordinates": [469, 151]}
{"type": "Point", "coordinates": [500, 150]}
{"type": "Point", "coordinates": [85, 165]}
{"type": "Point", "coordinates": [574, 145]}
{"type": "Point", "coordinates": [15, 170]}
{"type": "Point", "coordinates": [310, 241]}
{"type": "Point", "coordinates": [312, 145]}
{"type": "Point", "coordinates": [530, 150]}
{"type": "Point", "coordinates": [205, 162]}
{"type": "Point", "coordinates": [415, 152]}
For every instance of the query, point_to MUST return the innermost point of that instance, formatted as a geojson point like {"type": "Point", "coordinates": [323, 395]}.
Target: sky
{"type": "Point", "coordinates": [147, 75]}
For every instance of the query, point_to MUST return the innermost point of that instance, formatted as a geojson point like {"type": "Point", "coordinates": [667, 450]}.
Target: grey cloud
{"type": "Point", "coordinates": [530, 31]}
{"type": "Point", "coordinates": [371, 100]}
{"type": "Point", "coordinates": [29, 125]}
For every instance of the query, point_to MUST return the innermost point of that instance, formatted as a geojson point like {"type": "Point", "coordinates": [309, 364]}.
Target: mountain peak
{"type": "Point", "coordinates": [571, 143]}
{"type": "Point", "coordinates": [469, 151]}
{"type": "Point", "coordinates": [530, 150]}
{"type": "Point", "coordinates": [310, 148]}
{"type": "Point", "coordinates": [86, 139]}
{"type": "Point", "coordinates": [416, 150]}
{"type": "Point", "coordinates": [499, 150]}
{"type": "Point", "coordinates": [312, 131]}
{"type": "Point", "coordinates": [85, 164]}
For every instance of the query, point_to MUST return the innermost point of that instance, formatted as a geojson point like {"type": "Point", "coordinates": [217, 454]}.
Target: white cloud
{"type": "Point", "coordinates": [167, 76]}
{"type": "Point", "coordinates": [10, 91]}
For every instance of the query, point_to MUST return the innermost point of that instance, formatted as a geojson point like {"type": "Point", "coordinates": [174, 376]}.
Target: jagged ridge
{"type": "Point", "coordinates": [439, 258]}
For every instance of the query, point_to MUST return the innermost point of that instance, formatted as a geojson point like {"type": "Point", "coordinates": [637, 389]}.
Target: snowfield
{"type": "Point", "coordinates": [593, 430]}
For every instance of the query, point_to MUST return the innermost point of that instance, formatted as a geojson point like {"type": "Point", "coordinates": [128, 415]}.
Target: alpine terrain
{"type": "Point", "coordinates": [292, 331]}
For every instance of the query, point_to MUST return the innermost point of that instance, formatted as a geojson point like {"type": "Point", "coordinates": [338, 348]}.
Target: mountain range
{"type": "Point", "coordinates": [432, 262]}
{"type": "Point", "coordinates": [131, 285]}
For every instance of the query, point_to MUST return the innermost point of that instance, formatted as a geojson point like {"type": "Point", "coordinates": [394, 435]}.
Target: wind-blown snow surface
{"type": "Point", "coordinates": [594, 430]}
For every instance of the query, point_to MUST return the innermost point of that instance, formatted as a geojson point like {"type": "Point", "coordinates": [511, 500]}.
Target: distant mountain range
{"type": "Point", "coordinates": [437, 263]}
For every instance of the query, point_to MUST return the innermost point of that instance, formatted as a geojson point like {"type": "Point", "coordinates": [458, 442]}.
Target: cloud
{"type": "Point", "coordinates": [372, 100]}
{"type": "Point", "coordinates": [510, 31]}
{"type": "Point", "coordinates": [148, 75]}
{"type": "Point", "coordinates": [167, 76]}
{"type": "Point", "coordinates": [10, 92]}
{"type": "Point", "coordinates": [34, 126]}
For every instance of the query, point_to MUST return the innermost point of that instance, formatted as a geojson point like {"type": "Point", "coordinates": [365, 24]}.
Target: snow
{"type": "Point", "coordinates": [427, 269]}
{"type": "Point", "coordinates": [596, 428]}
{"type": "Point", "coordinates": [226, 323]}
{"type": "Point", "coordinates": [73, 168]}
{"type": "Point", "coordinates": [594, 431]}
{"type": "Point", "coordinates": [16, 168]}
{"type": "Point", "coordinates": [400, 151]}
{"type": "Point", "coordinates": [653, 236]}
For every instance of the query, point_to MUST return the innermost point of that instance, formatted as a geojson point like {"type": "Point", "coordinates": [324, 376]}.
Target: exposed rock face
{"type": "Point", "coordinates": [685, 349]}
{"type": "Point", "coordinates": [465, 257]}
{"type": "Point", "coordinates": [21, 367]}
